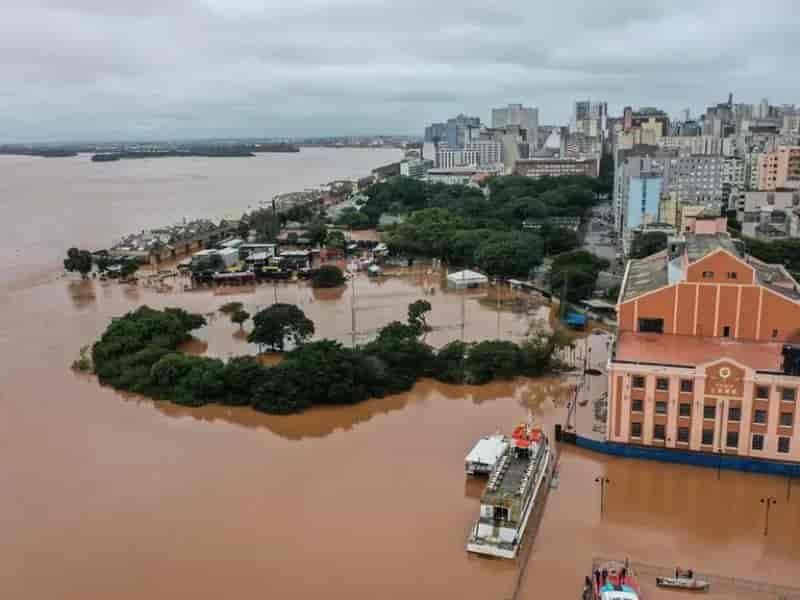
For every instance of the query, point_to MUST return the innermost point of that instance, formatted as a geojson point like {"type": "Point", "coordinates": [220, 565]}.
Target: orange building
{"type": "Point", "coordinates": [779, 170]}
{"type": "Point", "coordinates": [704, 359]}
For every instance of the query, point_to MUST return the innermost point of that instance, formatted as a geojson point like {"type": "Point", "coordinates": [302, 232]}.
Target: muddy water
{"type": "Point", "coordinates": [111, 495]}
{"type": "Point", "coordinates": [50, 204]}
{"type": "Point", "coordinates": [106, 495]}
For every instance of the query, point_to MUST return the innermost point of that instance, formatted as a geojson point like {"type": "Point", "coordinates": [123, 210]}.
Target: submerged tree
{"type": "Point", "coordinates": [278, 323]}
{"type": "Point", "coordinates": [239, 317]}
{"type": "Point", "coordinates": [78, 260]}
{"type": "Point", "coordinates": [327, 276]}
{"type": "Point", "coordinates": [416, 315]}
{"type": "Point", "coordinates": [230, 308]}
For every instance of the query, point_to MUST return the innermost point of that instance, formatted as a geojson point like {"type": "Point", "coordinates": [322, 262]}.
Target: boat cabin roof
{"type": "Point", "coordinates": [487, 450]}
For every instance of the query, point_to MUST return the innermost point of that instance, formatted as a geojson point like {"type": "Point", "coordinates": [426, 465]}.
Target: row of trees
{"type": "Point", "coordinates": [782, 252]}
{"type": "Point", "coordinates": [463, 227]}
{"type": "Point", "coordinates": [575, 274]}
{"type": "Point", "coordinates": [139, 352]}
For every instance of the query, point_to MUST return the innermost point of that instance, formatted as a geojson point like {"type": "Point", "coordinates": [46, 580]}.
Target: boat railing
{"type": "Point", "coordinates": [734, 584]}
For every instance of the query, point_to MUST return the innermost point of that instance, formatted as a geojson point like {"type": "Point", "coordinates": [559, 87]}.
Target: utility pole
{"type": "Point", "coordinates": [497, 294]}
{"type": "Point", "coordinates": [603, 481]}
{"type": "Point", "coordinates": [275, 227]}
{"type": "Point", "coordinates": [767, 501]}
{"type": "Point", "coordinates": [463, 304]}
{"type": "Point", "coordinates": [353, 309]}
{"type": "Point", "coordinates": [563, 307]}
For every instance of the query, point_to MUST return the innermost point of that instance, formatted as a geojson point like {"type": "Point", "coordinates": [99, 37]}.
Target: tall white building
{"type": "Point", "coordinates": [447, 157]}
{"type": "Point", "coordinates": [700, 144]}
{"type": "Point", "coordinates": [415, 168]}
{"type": "Point", "coordinates": [517, 114]}
{"type": "Point", "coordinates": [490, 152]}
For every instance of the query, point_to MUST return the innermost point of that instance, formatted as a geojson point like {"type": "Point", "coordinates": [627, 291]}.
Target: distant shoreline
{"type": "Point", "coordinates": [197, 151]}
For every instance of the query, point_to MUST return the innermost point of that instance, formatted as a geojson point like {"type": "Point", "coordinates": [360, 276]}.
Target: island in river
{"type": "Point", "coordinates": [238, 150]}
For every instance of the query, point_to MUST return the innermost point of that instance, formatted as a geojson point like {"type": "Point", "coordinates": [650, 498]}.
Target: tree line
{"type": "Point", "coordinates": [465, 227]}
{"type": "Point", "coordinates": [139, 352]}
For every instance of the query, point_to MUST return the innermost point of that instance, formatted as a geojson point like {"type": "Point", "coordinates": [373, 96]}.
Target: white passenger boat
{"type": "Point", "coordinates": [518, 485]}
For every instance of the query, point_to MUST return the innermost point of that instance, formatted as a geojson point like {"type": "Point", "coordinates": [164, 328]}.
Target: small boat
{"type": "Point", "coordinates": [683, 580]}
{"type": "Point", "coordinates": [612, 580]}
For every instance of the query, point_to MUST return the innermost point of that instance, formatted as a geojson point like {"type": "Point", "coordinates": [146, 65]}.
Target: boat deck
{"type": "Point", "coordinates": [507, 480]}
{"type": "Point", "coordinates": [512, 479]}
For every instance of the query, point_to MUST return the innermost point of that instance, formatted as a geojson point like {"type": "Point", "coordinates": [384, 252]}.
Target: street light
{"type": "Point", "coordinates": [603, 481]}
{"type": "Point", "coordinates": [767, 502]}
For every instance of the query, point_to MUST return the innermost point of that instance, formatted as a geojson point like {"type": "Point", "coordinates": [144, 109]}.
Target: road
{"type": "Point", "coordinates": [599, 241]}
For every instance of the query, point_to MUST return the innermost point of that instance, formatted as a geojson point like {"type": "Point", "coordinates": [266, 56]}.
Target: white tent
{"type": "Point", "coordinates": [466, 279]}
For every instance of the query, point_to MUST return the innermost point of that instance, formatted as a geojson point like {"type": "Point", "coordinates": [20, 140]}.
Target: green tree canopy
{"type": "Point", "coordinates": [579, 269]}
{"type": "Point", "coordinates": [495, 359]}
{"type": "Point", "coordinates": [353, 218]}
{"type": "Point", "coordinates": [426, 232]}
{"type": "Point", "coordinates": [648, 243]}
{"type": "Point", "coordinates": [336, 239]}
{"type": "Point", "coordinates": [230, 307]}
{"type": "Point", "coordinates": [417, 312]}
{"type": "Point", "coordinates": [278, 323]}
{"type": "Point", "coordinates": [317, 233]}
{"type": "Point", "coordinates": [239, 317]}
{"type": "Point", "coordinates": [78, 260]}
{"type": "Point", "coordinates": [511, 254]}
{"type": "Point", "coordinates": [327, 276]}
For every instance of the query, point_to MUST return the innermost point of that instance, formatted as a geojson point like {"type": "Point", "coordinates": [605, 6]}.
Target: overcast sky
{"type": "Point", "coordinates": [100, 69]}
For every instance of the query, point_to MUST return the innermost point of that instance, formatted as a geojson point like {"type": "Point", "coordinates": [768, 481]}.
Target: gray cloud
{"type": "Point", "coordinates": [80, 69]}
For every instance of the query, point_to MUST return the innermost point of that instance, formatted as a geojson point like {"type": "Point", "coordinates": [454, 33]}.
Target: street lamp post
{"type": "Point", "coordinates": [603, 481]}
{"type": "Point", "coordinates": [767, 501]}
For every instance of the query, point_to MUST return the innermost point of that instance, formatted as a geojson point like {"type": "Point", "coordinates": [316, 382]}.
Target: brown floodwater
{"type": "Point", "coordinates": [110, 495]}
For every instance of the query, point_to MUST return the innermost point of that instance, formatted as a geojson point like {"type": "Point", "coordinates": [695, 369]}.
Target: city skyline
{"type": "Point", "coordinates": [176, 69]}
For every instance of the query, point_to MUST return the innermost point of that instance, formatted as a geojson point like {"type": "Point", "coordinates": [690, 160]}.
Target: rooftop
{"type": "Point", "coordinates": [699, 245]}
{"type": "Point", "coordinates": [775, 278]}
{"type": "Point", "coordinates": [645, 275]}
{"type": "Point", "coordinates": [652, 272]}
{"type": "Point", "coordinates": [689, 351]}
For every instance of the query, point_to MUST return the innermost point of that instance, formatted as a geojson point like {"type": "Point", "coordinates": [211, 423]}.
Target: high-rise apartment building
{"type": "Point", "coordinates": [590, 118]}
{"type": "Point", "coordinates": [779, 169]}
{"type": "Point", "coordinates": [696, 178]}
{"type": "Point", "coordinates": [460, 130]}
{"type": "Point", "coordinates": [435, 132]}
{"type": "Point", "coordinates": [517, 114]}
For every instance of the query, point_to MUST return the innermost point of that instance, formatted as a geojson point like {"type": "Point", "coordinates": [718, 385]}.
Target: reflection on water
{"type": "Point", "coordinates": [325, 420]}
{"type": "Point", "coordinates": [474, 486]}
{"type": "Point", "coordinates": [81, 292]}
{"type": "Point", "coordinates": [194, 346]}
{"type": "Point", "coordinates": [328, 294]}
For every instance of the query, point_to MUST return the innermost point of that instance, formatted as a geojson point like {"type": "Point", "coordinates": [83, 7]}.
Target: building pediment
{"type": "Point", "coordinates": [724, 377]}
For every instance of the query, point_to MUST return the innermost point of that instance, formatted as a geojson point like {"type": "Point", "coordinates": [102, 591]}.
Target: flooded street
{"type": "Point", "coordinates": [107, 495]}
